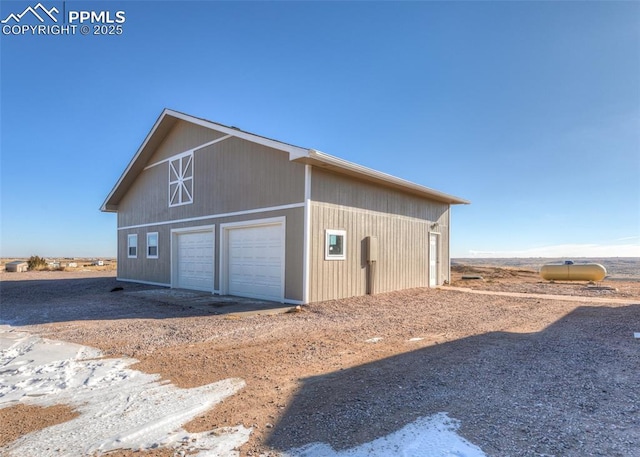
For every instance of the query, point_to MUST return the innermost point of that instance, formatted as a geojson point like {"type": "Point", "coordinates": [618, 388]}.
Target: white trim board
{"type": "Point", "coordinates": [216, 216]}
{"type": "Point", "coordinates": [295, 152]}
{"type": "Point", "coordinates": [185, 153]}
{"type": "Point", "coordinates": [306, 253]}
{"type": "Point", "coordinates": [134, 159]}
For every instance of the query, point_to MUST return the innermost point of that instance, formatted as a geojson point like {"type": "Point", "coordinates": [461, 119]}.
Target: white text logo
{"type": "Point", "coordinates": [40, 20]}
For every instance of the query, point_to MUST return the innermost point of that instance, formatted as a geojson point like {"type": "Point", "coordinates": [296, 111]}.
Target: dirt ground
{"type": "Point", "coordinates": [526, 376]}
{"type": "Point", "coordinates": [526, 280]}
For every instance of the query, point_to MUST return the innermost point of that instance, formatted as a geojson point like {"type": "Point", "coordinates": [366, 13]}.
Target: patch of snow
{"type": "Point", "coordinates": [119, 408]}
{"type": "Point", "coordinates": [374, 340]}
{"type": "Point", "coordinates": [433, 436]}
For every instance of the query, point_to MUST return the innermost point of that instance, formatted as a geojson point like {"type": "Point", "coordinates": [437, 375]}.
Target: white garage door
{"type": "Point", "coordinates": [194, 267]}
{"type": "Point", "coordinates": [256, 261]}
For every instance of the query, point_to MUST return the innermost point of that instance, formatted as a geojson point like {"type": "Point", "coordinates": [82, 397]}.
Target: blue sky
{"type": "Point", "coordinates": [530, 110]}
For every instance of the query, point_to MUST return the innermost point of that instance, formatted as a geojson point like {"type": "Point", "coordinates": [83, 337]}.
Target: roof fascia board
{"type": "Point", "coordinates": [133, 161]}
{"type": "Point", "coordinates": [294, 152]}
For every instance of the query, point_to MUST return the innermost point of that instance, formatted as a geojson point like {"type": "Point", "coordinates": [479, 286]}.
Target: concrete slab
{"type": "Point", "coordinates": [213, 304]}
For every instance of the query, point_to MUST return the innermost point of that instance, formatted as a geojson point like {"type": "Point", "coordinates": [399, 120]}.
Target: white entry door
{"type": "Point", "coordinates": [256, 262]}
{"type": "Point", "coordinates": [194, 257]}
{"type": "Point", "coordinates": [433, 259]}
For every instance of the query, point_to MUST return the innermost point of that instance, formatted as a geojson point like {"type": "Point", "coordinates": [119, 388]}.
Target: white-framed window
{"type": "Point", "coordinates": [335, 245]}
{"type": "Point", "coordinates": [181, 180]}
{"type": "Point", "coordinates": [132, 246]}
{"type": "Point", "coordinates": [152, 245]}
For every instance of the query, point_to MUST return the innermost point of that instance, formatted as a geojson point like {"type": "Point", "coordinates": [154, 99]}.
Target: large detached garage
{"type": "Point", "coordinates": [207, 207]}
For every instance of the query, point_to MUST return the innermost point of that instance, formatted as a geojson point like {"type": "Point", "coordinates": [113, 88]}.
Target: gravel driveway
{"type": "Point", "coordinates": [524, 376]}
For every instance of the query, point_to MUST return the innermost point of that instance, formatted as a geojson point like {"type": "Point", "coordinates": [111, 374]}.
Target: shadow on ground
{"type": "Point", "coordinates": [570, 390]}
{"type": "Point", "coordinates": [63, 300]}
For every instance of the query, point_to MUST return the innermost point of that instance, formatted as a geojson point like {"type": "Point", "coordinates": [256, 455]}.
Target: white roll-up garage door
{"type": "Point", "coordinates": [256, 262]}
{"type": "Point", "coordinates": [195, 261]}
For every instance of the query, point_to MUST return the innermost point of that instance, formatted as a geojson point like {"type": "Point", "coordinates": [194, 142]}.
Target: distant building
{"type": "Point", "coordinates": [17, 266]}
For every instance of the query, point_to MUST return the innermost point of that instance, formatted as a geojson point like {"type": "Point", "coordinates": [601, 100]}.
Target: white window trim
{"type": "Point", "coordinates": [149, 234]}
{"type": "Point", "coordinates": [184, 160]}
{"type": "Point", "coordinates": [129, 246]}
{"type": "Point", "coordinates": [343, 234]}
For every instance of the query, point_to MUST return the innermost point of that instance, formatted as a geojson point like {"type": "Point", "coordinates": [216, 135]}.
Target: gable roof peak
{"type": "Point", "coordinates": [169, 117]}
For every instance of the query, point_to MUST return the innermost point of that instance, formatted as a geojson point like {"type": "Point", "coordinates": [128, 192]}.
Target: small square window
{"type": "Point", "coordinates": [132, 246]}
{"type": "Point", "coordinates": [335, 245]}
{"type": "Point", "coordinates": [152, 245]}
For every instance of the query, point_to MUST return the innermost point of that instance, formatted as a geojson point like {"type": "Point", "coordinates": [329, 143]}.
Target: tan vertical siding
{"type": "Point", "coordinates": [329, 187]}
{"type": "Point", "coordinates": [159, 270]}
{"type": "Point", "coordinates": [183, 137]}
{"type": "Point", "coordinates": [141, 268]}
{"type": "Point", "coordinates": [147, 199]}
{"type": "Point", "coordinates": [403, 252]}
{"type": "Point", "coordinates": [402, 223]}
{"type": "Point", "coordinates": [236, 175]}
{"type": "Point", "coordinates": [229, 176]}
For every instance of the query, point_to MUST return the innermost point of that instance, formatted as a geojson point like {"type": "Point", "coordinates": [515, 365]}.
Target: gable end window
{"type": "Point", "coordinates": [132, 246]}
{"type": "Point", "coordinates": [181, 180]}
{"type": "Point", "coordinates": [335, 245]}
{"type": "Point", "coordinates": [152, 245]}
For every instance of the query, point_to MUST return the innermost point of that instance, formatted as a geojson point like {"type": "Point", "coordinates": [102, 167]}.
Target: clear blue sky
{"type": "Point", "coordinates": [530, 110]}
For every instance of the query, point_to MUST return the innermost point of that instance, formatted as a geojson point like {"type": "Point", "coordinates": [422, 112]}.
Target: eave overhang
{"type": "Point", "coordinates": [341, 166]}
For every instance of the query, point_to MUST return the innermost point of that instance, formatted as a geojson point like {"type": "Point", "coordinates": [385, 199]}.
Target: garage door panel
{"type": "Point", "coordinates": [256, 260]}
{"type": "Point", "coordinates": [195, 261]}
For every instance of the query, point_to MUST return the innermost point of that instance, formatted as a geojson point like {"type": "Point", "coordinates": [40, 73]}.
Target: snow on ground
{"type": "Point", "coordinates": [122, 408]}
{"type": "Point", "coordinates": [119, 408]}
{"type": "Point", "coordinates": [433, 436]}
{"type": "Point", "coordinates": [375, 339]}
